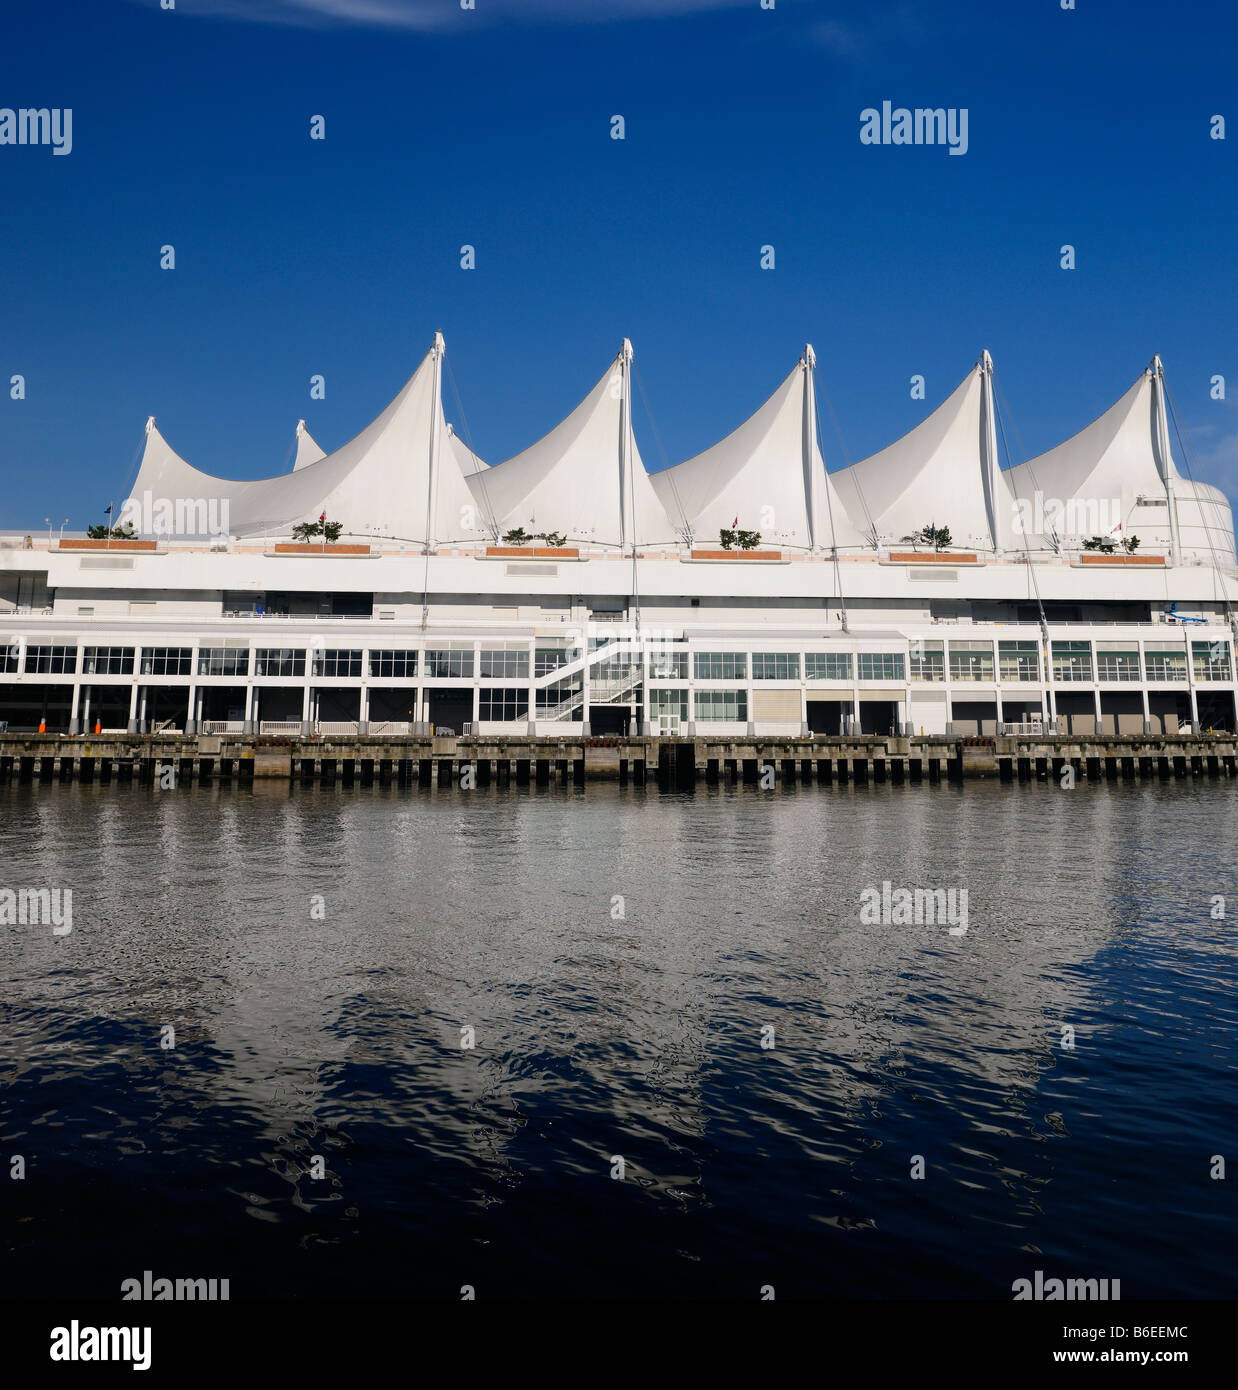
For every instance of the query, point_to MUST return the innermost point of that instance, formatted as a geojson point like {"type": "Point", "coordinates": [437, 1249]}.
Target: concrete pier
{"type": "Point", "coordinates": [475, 763]}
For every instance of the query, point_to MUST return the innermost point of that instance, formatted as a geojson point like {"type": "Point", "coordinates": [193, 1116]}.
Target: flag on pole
{"type": "Point", "coordinates": [735, 523]}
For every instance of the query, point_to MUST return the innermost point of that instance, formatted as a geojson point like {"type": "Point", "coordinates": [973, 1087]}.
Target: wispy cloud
{"type": "Point", "coordinates": [428, 15]}
{"type": "Point", "coordinates": [875, 29]}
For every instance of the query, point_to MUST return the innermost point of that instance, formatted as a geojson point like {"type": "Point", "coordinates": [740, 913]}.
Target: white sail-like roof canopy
{"type": "Point", "coordinates": [1115, 478]}
{"type": "Point", "coordinates": [307, 448]}
{"type": "Point", "coordinates": [943, 472]}
{"type": "Point", "coordinates": [585, 479]}
{"type": "Point", "coordinates": [402, 476]}
{"type": "Point", "coordinates": [769, 473]}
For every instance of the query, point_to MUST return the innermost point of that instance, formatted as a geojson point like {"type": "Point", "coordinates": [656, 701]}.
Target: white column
{"type": "Point", "coordinates": [991, 463]}
{"type": "Point", "coordinates": [306, 713]}
{"type": "Point", "coordinates": [248, 726]}
{"type": "Point", "coordinates": [436, 429]}
{"type": "Point", "coordinates": [1046, 655]}
{"type": "Point", "coordinates": [133, 706]}
{"type": "Point", "coordinates": [625, 458]}
{"type": "Point", "coordinates": [191, 713]}
{"type": "Point", "coordinates": [1165, 459]}
{"type": "Point", "coordinates": [73, 722]}
{"type": "Point", "coordinates": [1143, 689]}
{"type": "Point", "coordinates": [808, 433]}
{"type": "Point", "coordinates": [1190, 679]}
{"type": "Point", "coordinates": [363, 702]}
{"type": "Point", "coordinates": [86, 729]}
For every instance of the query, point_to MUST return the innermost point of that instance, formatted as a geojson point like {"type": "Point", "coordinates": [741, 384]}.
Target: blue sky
{"type": "Point", "coordinates": [492, 127]}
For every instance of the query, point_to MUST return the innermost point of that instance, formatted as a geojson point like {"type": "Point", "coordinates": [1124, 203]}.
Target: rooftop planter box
{"type": "Point", "coordinates": [1099, 558]}
{"type": "Point", "coordinates": [534, 552]}
{"type": "Point", "coordinates": [933, 557]}
{"type": "Point", "coordinates": [317, 548]}
{"type": "Point", "coordinates": [108, 545]}
{"type": "Point", "coordinates": [737, 554]}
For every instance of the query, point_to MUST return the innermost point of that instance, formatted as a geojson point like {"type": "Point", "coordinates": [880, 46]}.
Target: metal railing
{"type": "Point", "coordinates": [563, 708]}
{"type": "Point", "coordinates": [222, 726]}
{"type": "Point", "coordinates": [279, 726]}
{"type": "Point", "coordinates": [299, 617]}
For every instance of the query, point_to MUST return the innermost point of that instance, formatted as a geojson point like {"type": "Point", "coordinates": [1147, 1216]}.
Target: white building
{"type": "Point", "coordinates": [630, 613]}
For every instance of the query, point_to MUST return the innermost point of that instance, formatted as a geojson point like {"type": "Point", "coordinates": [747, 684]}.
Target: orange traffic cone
{"type": "Point", "coordinates": [42, 726]}
{"type": "Point", "coordinates": [98, 726]}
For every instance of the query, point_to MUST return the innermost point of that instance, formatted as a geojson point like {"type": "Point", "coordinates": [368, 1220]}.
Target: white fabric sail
{"type": "Point", "coordinates": [943, 472]}
{"type": "Point", "coordinates": [573, 480]}
{"type": "Point", "coordinates": [307, 448]}
{"type": "Point", "coordinates": [768, 475]}
{"type": "Point", "coordinates": [376, 484]}
{"type": "Point", "coordinates": [1113, 479]}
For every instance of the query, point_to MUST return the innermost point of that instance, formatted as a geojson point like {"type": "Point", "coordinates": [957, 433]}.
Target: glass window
{"type": "Point", "coordinates": [720, 666]}
{"type": "Point", "coordinates": [719, 705]}
{"type": "Point", "coordinates": [337, 663]}
{"type": "Point", "coordinates": [667, 665]}
{"type": "Point", "coordinates": [881, 666]}
{"type": "Point", "coordinates": [167, 661]}
{"type": "Point", "coordinates": [503, 663]}
{"type": "Point", "coordinates": [1115, 665]}
{"type": "Point", "coordinates": [615, 670]}
{"type": "Point", "coordinates": [393, 663]}
{"type": "Point", "coordinates": [548, 659]}
{"type": "Point", "coordinates": [449, 663]}
{"type": "Point", "coordinates": [279, 661]}
{"type": "Point", "coordinates": [1165, 665]}
{"type": "Point", "coordinates": [10, 657]}
{"type": "Point", "coordinates": [108, 661]}
{"type": "Point", "coordinates": [775, 666]}
{"type": "Point", "coordinates": [55, 661]}
{"type": "Point", "coordinates": [828, 666]}
{"type": "Point", "coordinates": [669, 704]}
{"type": "Point", "coordinates": [971, 661]}
{"type": "Point", "coordinates": [1072, 661]}
{"type": "Point", "coordinates": [928, 660]}
{"type": "Point", "coordinates": [1018, 661]}
{"type": "Point", "coordinates": [504, 703]}
{"type": "Point", "coordinates": [223, 661]}
{"type": "Point", "coordinates": [1211, 661]}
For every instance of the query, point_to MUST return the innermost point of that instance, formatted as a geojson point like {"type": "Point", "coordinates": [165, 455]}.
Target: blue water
{"type": "Point", "coordinates": [630, 1030]}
